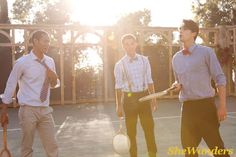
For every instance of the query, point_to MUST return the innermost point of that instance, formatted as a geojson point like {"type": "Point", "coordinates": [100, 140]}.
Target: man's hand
{"type": "Point", "coordinates": [177, 85]}
{"type": "Point", "coordinates": [52, 77]}
{"type": "Point", "coordinates": [222, 113]}
{"type": "Point", "coordinates": [4, 115]}
{"type": "Point", "coordinates": [154, 105]}
{"type": "Point", "coordinates": [119, 104]}
{"type": "Point", "coordinates": [51, 74]}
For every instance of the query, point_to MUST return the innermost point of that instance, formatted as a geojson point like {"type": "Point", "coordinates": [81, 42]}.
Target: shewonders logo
{"type": "Point", "coordinates": [201, 151]}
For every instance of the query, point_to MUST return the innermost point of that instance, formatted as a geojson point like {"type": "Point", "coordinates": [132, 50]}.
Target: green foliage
{"type": "Point", "coordinates": [23, 10]}
{"type": "Point", "coordinates": [215, 12]}
{"type": "Point", "coordinates": [59, 11]}
{"type": "Point", "coordinates": [138, 18]}
{"type": "Point", "coordinates": [41, 12]}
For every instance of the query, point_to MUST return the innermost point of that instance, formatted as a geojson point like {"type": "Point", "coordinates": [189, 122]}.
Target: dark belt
{"type": "Point", "coordinates": [200, 101]}
{"type": "Point", "coordinates": [136, 94]}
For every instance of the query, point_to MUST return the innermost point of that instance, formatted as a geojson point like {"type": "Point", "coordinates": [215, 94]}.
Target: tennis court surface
{"type": "Point", "coordinates": [86, 130]}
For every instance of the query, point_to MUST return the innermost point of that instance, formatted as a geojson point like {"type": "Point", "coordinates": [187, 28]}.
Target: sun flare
{"type": "Point", "coordinates": [92, 12]}
{"type": "Point", "coordinates": [107, 12]}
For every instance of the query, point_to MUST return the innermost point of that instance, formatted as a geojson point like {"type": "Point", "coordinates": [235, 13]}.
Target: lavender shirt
{"type": "Point", "coordinates": [195, 72]}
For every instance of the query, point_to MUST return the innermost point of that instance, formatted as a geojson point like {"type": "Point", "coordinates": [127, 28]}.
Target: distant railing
{"type": "Point", "coordinates": [85, 56]}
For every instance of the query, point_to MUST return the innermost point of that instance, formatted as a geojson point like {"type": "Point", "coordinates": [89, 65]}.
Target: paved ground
{"type": "Point", "coordinates": [86, 130]}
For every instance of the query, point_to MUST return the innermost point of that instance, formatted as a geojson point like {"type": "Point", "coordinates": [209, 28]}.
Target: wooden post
{"type": "Point", "coordinates": [62, 67]}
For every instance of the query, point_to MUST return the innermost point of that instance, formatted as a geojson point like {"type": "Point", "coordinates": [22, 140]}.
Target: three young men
{"type": "Point", "coordinates": [194, 67]}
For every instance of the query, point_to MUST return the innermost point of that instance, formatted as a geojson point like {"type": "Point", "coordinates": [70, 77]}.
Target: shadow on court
{"type": "Point", "coordinates": [86, 130]}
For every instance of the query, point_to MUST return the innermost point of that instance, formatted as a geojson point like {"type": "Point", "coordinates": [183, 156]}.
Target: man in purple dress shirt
{"type": "Point", "coordinates": [194, 67]}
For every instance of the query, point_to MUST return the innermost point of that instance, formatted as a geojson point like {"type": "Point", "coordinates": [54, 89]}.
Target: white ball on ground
{"type": "Point", "coordinates": [121, 143]}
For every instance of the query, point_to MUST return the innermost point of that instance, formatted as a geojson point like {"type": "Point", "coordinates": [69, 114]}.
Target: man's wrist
{"type": "Point", "coordinates": [222, 105]}
{"type": "Point", "coordinates": [151, 92]}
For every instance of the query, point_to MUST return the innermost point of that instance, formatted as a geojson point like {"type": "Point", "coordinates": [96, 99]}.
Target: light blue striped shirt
{"type": "Point", "coordinates": [195, 72]}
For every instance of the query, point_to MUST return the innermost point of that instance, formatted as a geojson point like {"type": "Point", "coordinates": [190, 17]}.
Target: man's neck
{"type": "Point", "coordinates": [188, 44]}
{"type": "Point", "coordinates": [38, 54]}
{"type": "Point", "coordinates": [132, 55]}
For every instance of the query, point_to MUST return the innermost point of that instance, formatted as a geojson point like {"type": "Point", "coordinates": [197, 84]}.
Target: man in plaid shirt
{"type": "Point", "coordinates": [132, 81]}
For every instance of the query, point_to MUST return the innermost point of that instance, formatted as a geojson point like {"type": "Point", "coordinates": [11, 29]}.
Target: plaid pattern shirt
{"type": "Point", "coordinates": [133, 75]}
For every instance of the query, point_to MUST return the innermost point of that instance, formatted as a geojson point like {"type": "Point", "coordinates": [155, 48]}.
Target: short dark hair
{"type": "Point", "coordinates": [38, 35]}
{"type": "Point", "coordinates": [192, 26]}
{"type": "Point", "coordinates": [128, 36]}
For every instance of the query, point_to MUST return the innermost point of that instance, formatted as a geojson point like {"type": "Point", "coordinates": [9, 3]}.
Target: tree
{"type": "Point", "coordinates": [215, 12]}
{"type": "Point", "coordinates": [24, 10]}
{"type": "Point", "coordinates": [127, 22]}
{"type": "Point", "coordinates": [4, 12]}
{"type": "Point", "coordinates": [57, 13]}
{"type": "Point", "coordinates": [138, 18]}
{"type": "Point", "coordinates": [40, 12]}
{"type": "Point", "coordinates": [5, 52]}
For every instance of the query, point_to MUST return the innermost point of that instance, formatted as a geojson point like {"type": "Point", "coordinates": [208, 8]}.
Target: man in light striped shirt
{"type": "Point", "coordinates": [35, 74]}
{"type": "Point", "coordinates": [194, 68]}
{"type": "Point", "coordinates": [132, 81]}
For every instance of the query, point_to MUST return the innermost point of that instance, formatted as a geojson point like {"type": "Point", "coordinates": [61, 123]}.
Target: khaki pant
{"type": "Point", "coordinates": [40, 119]}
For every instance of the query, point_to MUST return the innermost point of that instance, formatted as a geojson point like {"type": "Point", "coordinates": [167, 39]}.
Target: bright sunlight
{"type": "Point", "coordinates": [167, 13]}
{"type": "Point", "coordinates": [106, 12]}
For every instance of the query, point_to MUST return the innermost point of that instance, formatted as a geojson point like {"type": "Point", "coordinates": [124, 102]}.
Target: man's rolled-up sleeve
{"type": "Point", "coordinates": [118, 76]}
{"type": "Point", "coordinates": [216, 70]}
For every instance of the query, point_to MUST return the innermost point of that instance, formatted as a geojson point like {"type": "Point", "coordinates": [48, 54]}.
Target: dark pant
{"type": "Point", "coordinates": [134, 109]}
{"type": "Point", "coordinates": [200, 120]}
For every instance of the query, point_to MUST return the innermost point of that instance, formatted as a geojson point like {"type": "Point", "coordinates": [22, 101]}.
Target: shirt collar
{"type": "Point", "coordinates": [132, 59]}
{"type": "Point", "coordinates": [191, 49]}
{"type": "Point", "coordinates": [34, 57]}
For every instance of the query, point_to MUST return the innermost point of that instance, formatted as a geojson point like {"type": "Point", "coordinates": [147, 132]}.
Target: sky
{"type": "Point", "coordinates": [165, 13]}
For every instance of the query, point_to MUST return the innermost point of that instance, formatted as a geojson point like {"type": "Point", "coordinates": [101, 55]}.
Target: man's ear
{"type": "Point", "coordinates": [34, 40]}
{"type": "Point", "coordinates": [194, 34]}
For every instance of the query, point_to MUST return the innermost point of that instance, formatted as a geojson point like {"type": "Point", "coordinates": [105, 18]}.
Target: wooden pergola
{"type": "Point", "coordinates": [70, 42]}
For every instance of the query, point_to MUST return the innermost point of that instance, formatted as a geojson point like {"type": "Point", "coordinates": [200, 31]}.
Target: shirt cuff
{"type": "Point", "coordinates": [5, 100]}
{"type": "Point", "coordinates": [150, 82]}
{"type": "Point", "coordinates": [118, 87]}
{"type": "Point", "coordinates": [57, 85]}
{"type": "Point", "coordinates": [221, 80]}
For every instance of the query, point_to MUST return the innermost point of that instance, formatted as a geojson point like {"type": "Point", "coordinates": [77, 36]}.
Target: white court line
{"type": "Point", "coordinates": [231, 117]}
{"type": "Point", "coordinates": [156, 118]}
{"type": "Point", "coordinates": [62, 126]}
{"type": "Point", "coordinates": [114, 121]}
{"type": "Point", "coordinates": [231, 112]}
{"type": "Point", "coordinates": [19, 129]}
{"type": "Point", "coordinates": [67, 118]}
